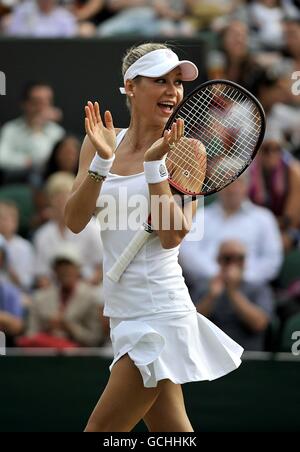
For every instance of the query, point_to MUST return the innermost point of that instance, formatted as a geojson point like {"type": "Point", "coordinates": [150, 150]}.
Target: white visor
{"type": "Point", "coordinates": [160, 62]}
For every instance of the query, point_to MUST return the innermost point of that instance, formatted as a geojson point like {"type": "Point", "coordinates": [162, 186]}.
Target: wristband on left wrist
{"type": "Point", "coordinates": [155, 171]}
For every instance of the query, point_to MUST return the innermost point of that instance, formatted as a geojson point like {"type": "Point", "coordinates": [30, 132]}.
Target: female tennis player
{"type": "Point", "coordinates": [159, 340]}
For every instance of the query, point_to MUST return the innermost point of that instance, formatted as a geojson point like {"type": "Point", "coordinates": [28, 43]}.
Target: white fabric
{"type": "Point", "coordinates": [268, 21]}
{"type": "Point", "coordinates": [100, 165]}
{"type": "Point", "coordinates": [153, 282]}
{"type": "Point", "coordinates": [182, 348]}
{"type": "Point", "coordinates": [160, 62]}
{"type": "Point", "coordinates": [152, 316]}
{"type": "Point", "coordinates": [28, 20]}
{"type": "Point", "coordinates": [22, 259]}
{"type": "Point", "coordinates": [49, 238]}
{"type": "Point", "coordinates": [286, 119]}
{"type": "Point", "coordinates": [254, 226]}
{"type": "Point", "coordinates": [21, 146]}
{"type": "Point", "coordinates": [155, 171]}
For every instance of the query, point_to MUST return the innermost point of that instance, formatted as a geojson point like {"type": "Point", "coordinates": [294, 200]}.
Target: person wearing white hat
{"type": "Point", "coordinates": [159, 340]}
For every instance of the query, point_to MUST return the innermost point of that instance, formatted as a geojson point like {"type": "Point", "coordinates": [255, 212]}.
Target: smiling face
{"type": "Point", "coordinates": [155, 99]}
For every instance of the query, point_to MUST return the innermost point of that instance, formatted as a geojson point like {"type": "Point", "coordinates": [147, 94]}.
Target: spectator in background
{"type": "Point", "coordinates": [49, 236]}
{"type": "Point", "coordinates": [241, 309]}
{"type": "Point", "coordinates": [70, 307]}
{"type": "Point", "coordinates": [26, 142]}
{"type": "Point", "coordinates": [90, 13]}
{"type": "Point", "coordinates": [147, 18]}
{"type": "Point", "coordinates": [291, 8]}
{"type": "Point", "coordinates": [216, 14]}
{"type": "Point", "coordinates": [234, 61]}
{"type": "Point", "coordinates": [275, 184]}
{"type": "Point", "coordinates": [21, 253]}
{"type": "Point", "coordinates": [64, 157]}
{"type": "Point", "coordinates": [266, 17]}
{"type": "Point", "coordinates": [291, 39]}
{"type": "Point", "coordinates": [273, 89]}
{"type": "Point", "coordinates": [11, 309]}
{"type": "Point", "coordinates": [233, 216]}
{"type": "Point", "coordinates": [41, 18]}
{"type": "Point", "coordinates": [6, 7]}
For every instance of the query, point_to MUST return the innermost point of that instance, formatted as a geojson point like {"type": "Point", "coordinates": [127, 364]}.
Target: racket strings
{"type": "Point", "coordinates": [204, 134]}
{"type": "Point", "coordinates": [224, 122]}
{"type": "Point", "coordinates": [242, 118]}
{"type": "Point", "coordinates": [228, 134]}
{"type": "Point", "coordinates": [200, 103]}
{"type": "Point", "coordinates": [186, 170]}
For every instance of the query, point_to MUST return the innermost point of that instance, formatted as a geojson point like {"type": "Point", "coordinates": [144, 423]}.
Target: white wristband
{"type": "Point", "coordinates": [155, 171]}
{"type": "Point", "coordinates": [101, 166]}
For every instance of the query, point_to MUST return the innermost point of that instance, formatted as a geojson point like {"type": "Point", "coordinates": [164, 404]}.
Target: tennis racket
{"type": "Point", "coordinates": [224, 126]}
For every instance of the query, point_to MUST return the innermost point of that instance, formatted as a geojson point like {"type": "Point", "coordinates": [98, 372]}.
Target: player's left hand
{"type": "Point", "coordinates": [162, 146]}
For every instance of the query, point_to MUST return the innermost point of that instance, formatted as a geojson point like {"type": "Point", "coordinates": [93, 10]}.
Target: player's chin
{"type": "Point", "coordinates": [162, 119]}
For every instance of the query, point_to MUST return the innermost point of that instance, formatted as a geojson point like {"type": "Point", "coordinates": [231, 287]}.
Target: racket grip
{"type": "Point", "coordinates": [129, 253]}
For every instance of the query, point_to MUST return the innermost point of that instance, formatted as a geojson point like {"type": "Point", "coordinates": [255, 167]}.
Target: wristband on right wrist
{"type": "Point", "coordinates": [101, 166]}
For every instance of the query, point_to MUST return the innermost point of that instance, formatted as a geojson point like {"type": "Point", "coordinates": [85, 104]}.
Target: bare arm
{"type": "Point", "coordinates": [89, 9]}
{"type": "Point", "coordinates": [82, 202]}
{"type": "Point", "coordinates": [250, 314]}
{"type": "Point", "coordinates": [168, 219]}
{"type": "Point", "coordinates": [292, 208]}
{"type": "Point", "coordinates": [117, 5]}
{"type": "Point", "coordinates": [206, 305]}
{"type": "Point", "coordinates": [10, 324]}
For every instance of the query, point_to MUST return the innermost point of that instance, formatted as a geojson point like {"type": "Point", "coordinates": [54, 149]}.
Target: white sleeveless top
{"type": "Point", "coordinates": [153, 282]}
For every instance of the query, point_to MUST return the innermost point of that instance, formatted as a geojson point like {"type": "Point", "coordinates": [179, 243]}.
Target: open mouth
{"type": "Point", "coordinates": [166, 107]}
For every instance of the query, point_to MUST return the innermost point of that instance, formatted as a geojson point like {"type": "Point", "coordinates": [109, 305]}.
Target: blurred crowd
{"type": "Point", "coordinates": [51, 282]}
{"type": "Point", "coordinates": [67, 18]}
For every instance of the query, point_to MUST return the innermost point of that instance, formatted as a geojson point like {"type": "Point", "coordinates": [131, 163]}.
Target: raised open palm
{"type": "Point", "coordinates": [102, 136]}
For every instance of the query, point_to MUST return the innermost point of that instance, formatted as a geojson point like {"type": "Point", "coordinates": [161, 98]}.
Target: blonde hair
{"type": "Point", "coordinates": [59, 182]}
{"type": "Point", "coordinates": [136, 52]}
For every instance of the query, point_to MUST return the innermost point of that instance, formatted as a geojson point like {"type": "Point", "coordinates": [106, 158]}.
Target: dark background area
{"type": "Point", "coordinates": [79, 70]}
{"type": "Point", "coordinates": [58, 393]}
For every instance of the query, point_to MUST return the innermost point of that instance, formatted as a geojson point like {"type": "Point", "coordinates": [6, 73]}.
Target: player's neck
{"type": "Point", "coordinates": [142, 135]}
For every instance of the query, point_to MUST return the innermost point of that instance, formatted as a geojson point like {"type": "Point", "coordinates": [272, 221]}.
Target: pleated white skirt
{"type": "Point", "coordinates": [182, 347]}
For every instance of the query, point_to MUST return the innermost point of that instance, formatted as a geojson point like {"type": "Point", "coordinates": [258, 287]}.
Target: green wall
{"type": "Point", "coordinates": [57, 394]}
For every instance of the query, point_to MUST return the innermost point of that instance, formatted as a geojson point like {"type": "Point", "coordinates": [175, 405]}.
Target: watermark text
{"type": "Point", "coordinates": [2, 84]}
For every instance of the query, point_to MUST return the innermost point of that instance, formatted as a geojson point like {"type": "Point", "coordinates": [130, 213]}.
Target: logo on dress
{"type": "Point", "coordinates": [162, 170]}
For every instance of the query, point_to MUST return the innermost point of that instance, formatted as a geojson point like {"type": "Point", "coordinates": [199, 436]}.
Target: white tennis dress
{"type": "Point", "coordinates": [152, 316]}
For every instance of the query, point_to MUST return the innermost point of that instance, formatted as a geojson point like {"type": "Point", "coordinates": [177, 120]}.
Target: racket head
{"type": "Point", "coordinates": [224, 126]}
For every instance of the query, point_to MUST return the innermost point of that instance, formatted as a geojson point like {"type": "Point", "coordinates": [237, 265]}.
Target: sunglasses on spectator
{"type": "Point", "coordinates": [232, 258]}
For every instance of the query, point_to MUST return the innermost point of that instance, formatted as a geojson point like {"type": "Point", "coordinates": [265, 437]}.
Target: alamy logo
{"type": "Point", "coordinates": [2, 84]}
{"type": "Point", "coordinates": [296, 85]}
{"type": "Point", "coordinates": [296, 345]}
{"type": "Point", "coordinates": [2, 343]}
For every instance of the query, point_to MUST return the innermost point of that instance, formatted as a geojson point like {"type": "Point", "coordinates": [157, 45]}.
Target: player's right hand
{"type": "Point", "coordinates": [102, 136]}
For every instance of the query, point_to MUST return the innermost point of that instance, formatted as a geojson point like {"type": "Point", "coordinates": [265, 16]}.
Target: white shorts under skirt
{"type": "Point", "coordinates": [181, 347]}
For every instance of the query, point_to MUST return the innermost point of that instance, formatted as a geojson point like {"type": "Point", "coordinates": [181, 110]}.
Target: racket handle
{"type": "Point", "coordinates": [129, 253]}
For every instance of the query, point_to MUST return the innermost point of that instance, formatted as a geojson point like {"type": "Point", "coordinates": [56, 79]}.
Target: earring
{"type": "Point", "coordinates": [131, 94]}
